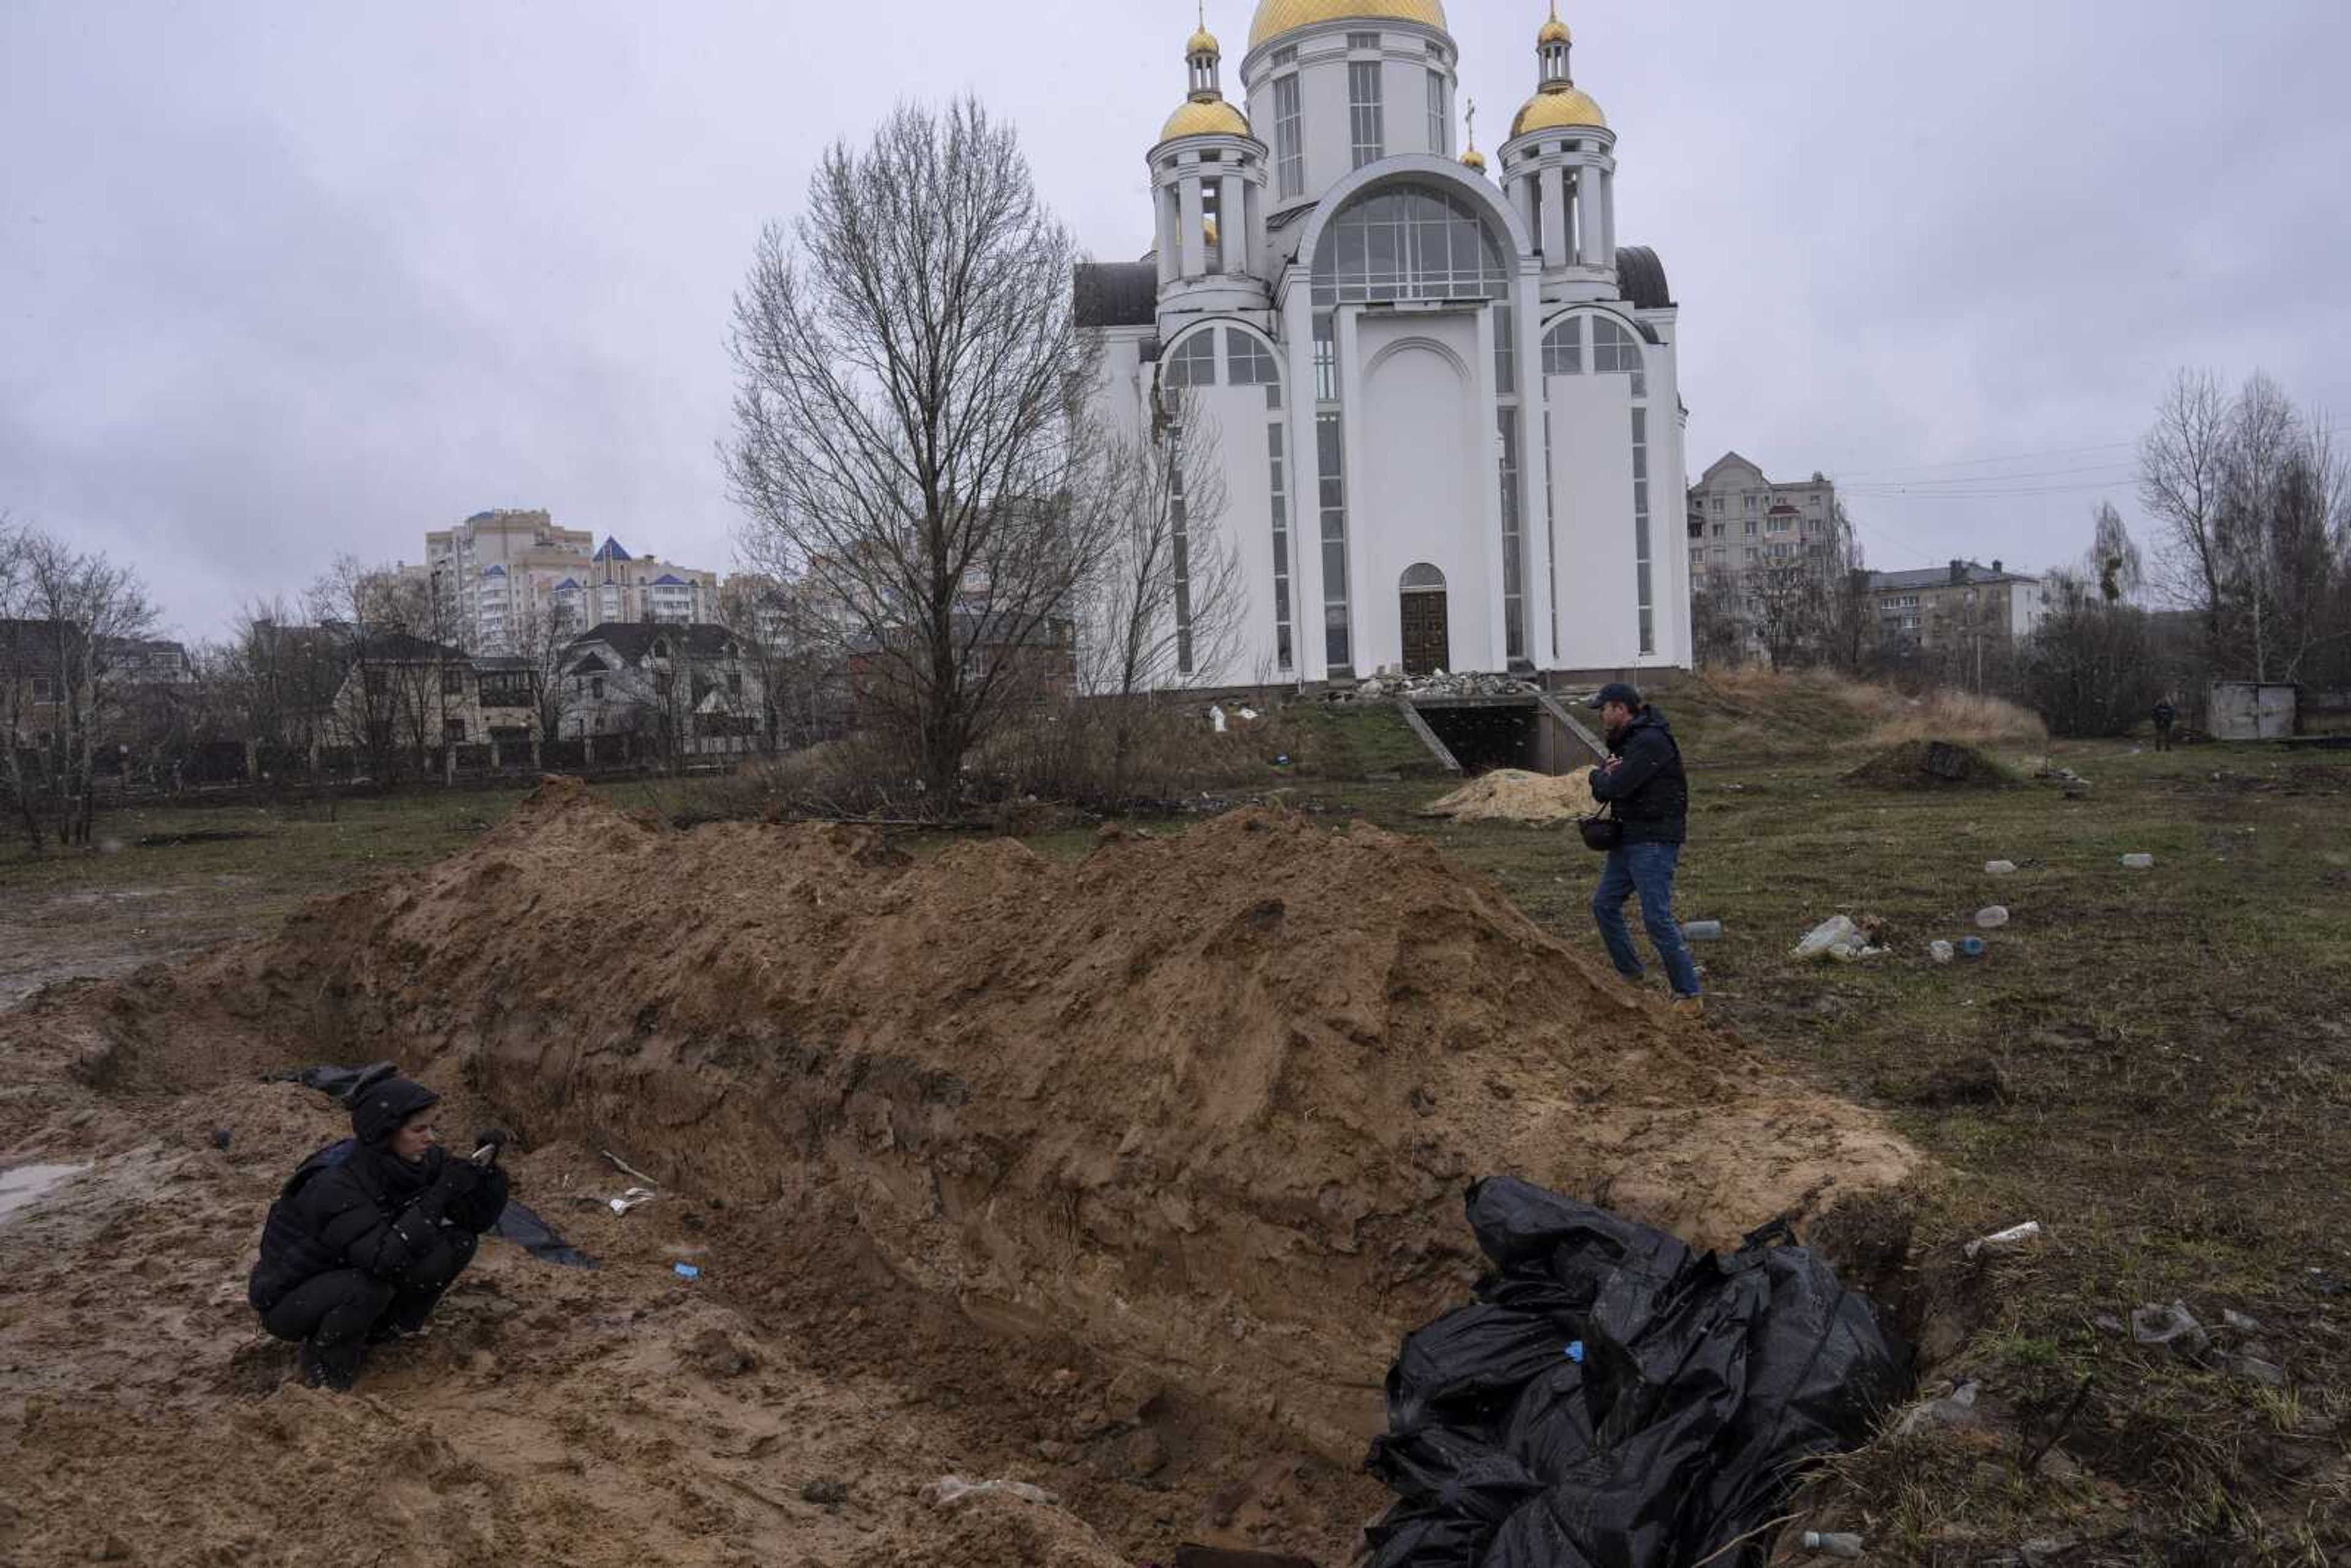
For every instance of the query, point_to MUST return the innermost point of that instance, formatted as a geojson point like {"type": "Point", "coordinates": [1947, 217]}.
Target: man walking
{"type": "Point", "coordinates": [1644, 785]}
{"type": "Point", "coordinates": [2165, 716]}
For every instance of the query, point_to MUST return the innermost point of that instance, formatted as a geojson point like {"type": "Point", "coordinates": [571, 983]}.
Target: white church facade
{"type": "Point", "coordinates": [1447, 400]}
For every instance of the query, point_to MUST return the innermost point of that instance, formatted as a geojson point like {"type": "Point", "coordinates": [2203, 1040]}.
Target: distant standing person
{"type": "Point", "coordinates": [2165, 716]}
{"type": "Point", "coordinates": [1644, 784]}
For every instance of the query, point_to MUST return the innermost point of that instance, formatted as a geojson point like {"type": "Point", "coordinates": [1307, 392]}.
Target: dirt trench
{"type": "Point", "coordinates": [1126, 1176]}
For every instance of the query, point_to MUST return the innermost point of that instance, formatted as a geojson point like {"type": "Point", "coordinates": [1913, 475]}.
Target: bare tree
{"type": "Point", "coordinates": [909, 424]}
{"type": "Point", "coordinates": [1719, 623]}
{"type": "Point", "coordinates": [1848, 619]}
{"type": "Point", "coordinates": [65, 614]}
{"type": "Point", "coordinates": [1165, 600]}
{"type": "Point", "coordinates": [1789, 607]}
{"type": "Point", "coordinates": [2183, 476]}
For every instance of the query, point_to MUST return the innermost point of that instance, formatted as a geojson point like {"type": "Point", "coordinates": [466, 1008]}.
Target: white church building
{"type": "Point", "coordinates": [1447, 399]}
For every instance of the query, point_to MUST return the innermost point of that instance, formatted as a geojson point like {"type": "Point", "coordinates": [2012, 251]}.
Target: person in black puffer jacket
{"type": "Point", "coordinates": [1644, 784]}
{"type": "Point", "coordinates": [369, 1232]}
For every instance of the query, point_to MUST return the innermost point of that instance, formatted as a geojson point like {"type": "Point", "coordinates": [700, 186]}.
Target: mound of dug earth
{"type": "Point", "coordinates": [1509, 795]}
{"type": "Point", "coordinates": [1202, 1104]}
{"type": "Point", "coordinates": [1930, 765]}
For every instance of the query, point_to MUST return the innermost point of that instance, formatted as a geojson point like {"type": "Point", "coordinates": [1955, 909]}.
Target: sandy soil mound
{"type": "Point", "coordinates": [1169, 1142]}
{"type": "Point", "coordinates": [1509, 795]}
{"type": "Point", "coordinates": [1930, 765]}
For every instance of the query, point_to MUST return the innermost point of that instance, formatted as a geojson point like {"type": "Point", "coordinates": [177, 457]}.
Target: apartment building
{"type": "Point", "coordinates": [507, 580]}
{"type": "Point", "coordinates": [1937, 606]}
{"type": "Point", "coordinates": [1742, 522]}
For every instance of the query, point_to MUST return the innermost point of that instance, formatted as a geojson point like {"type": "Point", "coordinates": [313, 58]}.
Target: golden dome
{"type": "Point", "coordinates": [1554, 32]}
{"type": "Point", "coordinates": [1275, 17]}
{"type": "Point", "coordinates": [1475, 160]}
{"type": "Point", "coordinates": [1203, 42]}
{"type": "Point", "coordinates": [1206, 117]}
{"type": "Point", "coordinates": [1559, 108]}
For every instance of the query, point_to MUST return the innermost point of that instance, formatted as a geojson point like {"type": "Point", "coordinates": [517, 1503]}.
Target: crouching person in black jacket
{"type": "Point", "coordinates": [369, 1232]}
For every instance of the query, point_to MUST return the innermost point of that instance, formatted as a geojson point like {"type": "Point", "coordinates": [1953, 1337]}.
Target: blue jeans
{"type": "Point", "coordinates": [1647, 870]}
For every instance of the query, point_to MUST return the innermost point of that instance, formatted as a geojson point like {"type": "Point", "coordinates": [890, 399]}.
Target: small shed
{"type": "Point", "coordinates": [2251, 710]}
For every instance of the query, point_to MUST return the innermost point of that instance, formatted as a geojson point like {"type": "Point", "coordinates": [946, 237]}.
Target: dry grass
{"type": "Point", "coordinates": [1772, 712]}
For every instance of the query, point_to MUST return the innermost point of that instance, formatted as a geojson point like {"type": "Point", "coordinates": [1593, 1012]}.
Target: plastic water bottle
{"type": "Point", "coordinates": [1820, 1545]}
{"type": "Point", "coordinates": [2139, 862]}
{"type": "Point", "coordinates": [1972, 948]}
{"type": "Point", "coordinates": [1992, 919]}
{"type": "Point", "coordinates": [1942, 952]}
{"type": "Point", "coordinates": [1703, 931]}
{"type": "Point", "coordinates": [1999, 868]}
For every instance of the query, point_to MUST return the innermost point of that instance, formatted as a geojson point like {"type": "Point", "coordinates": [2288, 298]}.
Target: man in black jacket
{"type": "Point", "coordinates": [368, 1233]}
{"type": "Point", "coordinates": [1644, 784]}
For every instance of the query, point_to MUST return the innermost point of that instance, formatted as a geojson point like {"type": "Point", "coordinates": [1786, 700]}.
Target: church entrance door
{"type": "Point", "coordinates": [1427, 635]}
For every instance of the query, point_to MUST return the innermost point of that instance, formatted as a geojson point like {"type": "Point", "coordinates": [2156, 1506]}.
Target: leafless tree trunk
{"type": "Point", "coordinates": [2183, 464]}
{"type": "Point", "coordinates": [1167, 599]}
{"type": "Point", "coordinates": [2113, 561]}
{"type": "Point", "coordinates": [910, 429]}
{"type": "Point", "coordinates": [67, 614]}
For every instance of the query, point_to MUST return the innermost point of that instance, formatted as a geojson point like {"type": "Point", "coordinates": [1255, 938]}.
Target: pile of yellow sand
{"type": "Point", "coordinates": [1508, 795]}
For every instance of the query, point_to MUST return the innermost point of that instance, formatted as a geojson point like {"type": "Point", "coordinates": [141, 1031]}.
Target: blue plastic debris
{"type": "Point", "coordinates": [686, 1271]}
{"type": "Point", "coordinates": [1576, 1353]}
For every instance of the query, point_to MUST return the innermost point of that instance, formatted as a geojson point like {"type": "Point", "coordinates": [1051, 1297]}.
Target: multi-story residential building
{"type": "Point", "coordinates": [506, 581]}
{"type": "Point", "coordinates": [1941, 606]}
{"type": "Point", "coordinates": [1741, 522]}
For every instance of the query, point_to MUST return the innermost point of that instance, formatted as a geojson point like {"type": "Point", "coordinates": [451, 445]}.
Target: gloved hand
{"type": "Point", "coordinates": [493, 1139]}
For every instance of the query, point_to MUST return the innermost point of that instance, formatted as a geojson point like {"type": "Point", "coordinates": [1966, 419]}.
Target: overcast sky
{"type": "Point", "coordinates": [280, 280]}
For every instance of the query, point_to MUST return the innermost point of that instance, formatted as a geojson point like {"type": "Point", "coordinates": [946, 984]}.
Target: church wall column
{"type": "Point", "coordinates": [1171, 259]}
{"type": "Point", "coordinates": [1485, 437]}
{"type": "Point", "coordinates": [1191, 216]}
{"type": "Point", "coordinates": [1254, 195]}
{"type": "Point", "coordinates": [1554, 216]}
{"type": "Point", "coordinates": [1232, 224]}
{"type": "Point", "coordinates": [1607, 217]}
{"type": "Point", "coordinates": [1304, 480]}
{"type": "Point", "coordinates": [1535, 522]}
{"type": "Point", "coordinates": [1360, 655]}
{"type": "Point", "coordinates": [1588, 203]}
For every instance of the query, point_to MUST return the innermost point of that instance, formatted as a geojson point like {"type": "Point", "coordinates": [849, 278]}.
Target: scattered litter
{"type": "Point", "coordinates": [2010, 1241]}
{"type": "Point", "coordinates": [1993, 918]}
{"type": "Point", "coordinates": [2139, 862]}
{"type": "Point", "coordinates": [1999, 868]}
{"type": "Point", "coordinates": [2238, 1322]}
{"type": "Point", "coordinates": [1820, 1545]}
{"type": "Point", "coordinates": [1703, 931]}
{"type": "Point", "coordinates": [950, 1489]}
{"type": "Point", "coordinates": [533, 1235]}
{"type": "Point", "coordinates": [1709, 1383]}
{"type": "Point", "coordinates": [1942, 952]}
{"type": "Point", "coordinates": [1575, 1352]}
{"type": "Point", "coordinates": [2173, 1326]}
{"type": "Point", "coordinates": [1388, 688]}
{"type": "Point", "coordinates": [1957, 1408]}
{"type": "Point", "coordinates": [1837, 936]}
{"type": "Point", "coordinates": [1248, 716]}
{"type": "Point", "coordinates": [686, 1271]}
{"type": "Point", "coordinates": [1217, 719]}
{"type": "Point", "coordinates": [1972, 948]}
{"type": "Point", "coordinates": [1513, 795]}
{"type": "Point", "coordinates": [825, 1494]}
{"type": "Point", "coordinates": [636, 1198]}
{"type": "Point", "coordinates": [222, 1137]}
{"type": "Point", "coordinates": [2254, 1369]}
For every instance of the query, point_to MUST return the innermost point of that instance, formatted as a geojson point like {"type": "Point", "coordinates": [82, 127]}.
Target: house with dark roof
{"type": "Point", "coordinates": [691, 690]}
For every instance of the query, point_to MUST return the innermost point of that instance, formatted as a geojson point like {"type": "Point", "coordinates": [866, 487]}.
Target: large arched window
{"type": "Point", "coordinates": [1408, 242]}
{"type": "Point", "coordinates": [1616, 351]}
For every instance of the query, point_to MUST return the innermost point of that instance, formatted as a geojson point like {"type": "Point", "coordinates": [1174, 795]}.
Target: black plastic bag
{"type": "Point", "coordinates": [1615, 1399]}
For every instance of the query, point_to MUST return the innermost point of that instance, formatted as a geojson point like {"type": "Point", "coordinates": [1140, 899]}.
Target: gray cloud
{"type": "Point", "coordinates": [277, 282]}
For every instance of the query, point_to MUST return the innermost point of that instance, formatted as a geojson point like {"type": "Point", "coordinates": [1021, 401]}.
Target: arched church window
{"type": "Point", "coordinates": [1194, 361]}
{"type": "Point", "coordinates": [1615, 351]}
{"type": "Point", "coordinates": [1563, 349]}
{"type": "Point", "coordinates": [1251, 361]}
{"type": "Point", "coordinates": [1408, 242]}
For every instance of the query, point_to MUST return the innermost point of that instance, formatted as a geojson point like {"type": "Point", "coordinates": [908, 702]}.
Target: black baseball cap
{"type": "Point", "coordinates": [1615, 692]}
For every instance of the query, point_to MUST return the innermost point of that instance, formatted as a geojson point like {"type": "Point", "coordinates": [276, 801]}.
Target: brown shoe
{"type": "Point", "coordinates": [1691, 1007]}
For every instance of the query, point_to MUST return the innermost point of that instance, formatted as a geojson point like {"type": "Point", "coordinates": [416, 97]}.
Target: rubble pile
{"type": "Point", "coordinates": [1435, 687]}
